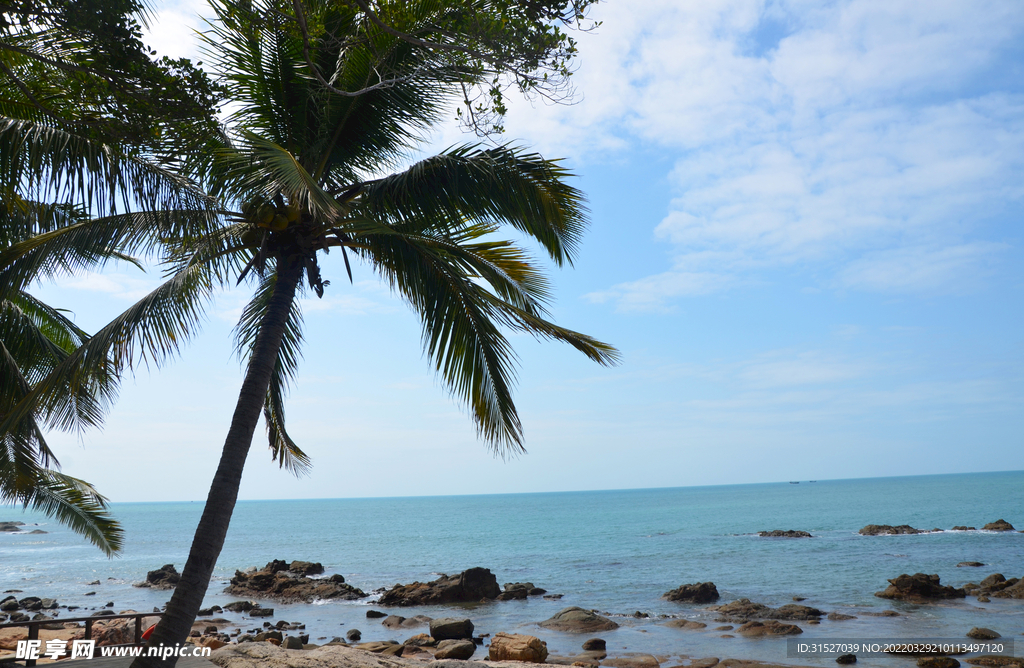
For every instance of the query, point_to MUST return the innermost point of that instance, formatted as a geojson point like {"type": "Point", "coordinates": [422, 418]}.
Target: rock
{"type": "Point", "coordinates": [846, 659]}
{"type": "Point", "coordinates": [18, 617]}
{"type": "Point", "coordinates": [36, 532]}
{"type": "Point", "coordinates": [888, 529]}
{"type": "Point", "coordinates": [519, 590]}
{"type": "Point", "coordinates": [918, 587]}
{"type": "Point", "coordinates": [794, 611]}
{"type": "Point", "coordinates": [291, 642]}
{"type": "Point", "coordinates": [578, 620]}
{"type": "Point", "coordinates": [217, 643]}
{"type": "Point", "coordinates": [962, 528]}
{"type": "Point", "coordinates": [469, 586]}
{"type": "Point", "coordinates": [307, 568]}
{"type": "Point", "coordinates": [375, 614]}
{"type": "Point", "coordinates": [839, 617]}
{"type": "Point", "coordinates": [276, 581]}
{"type": "Point", "coordinates": [454, 649]}
{"type": "Point", "coordinates": [984, 599]}
{"type": "Point", "coordinates": [165, 577]}
{"type": "Point", "coordinates": [261, 612]}
{"type": "Point", "coordinates": [9, 604]}
{"type": "Point", "coordinates": [594, 644]}
{"type": "Point", "coordinates": [971, 564]}
{"type": "Point", "coordinates": [686, 624]}
{"type": "Point", "coordinates": [779, 533]}
{"type": "Point", "coordinates": [451, 628]}
{"type": "Point", "coordinates": [517, 647]}
{"type": "Point", "coordinates": [393, 622]}
{"type": "Point", "coordinates": [31, 603]}
{"type": "Point", "coordinates": [269, 635]}
{"type": "Point", "coordinates": [981, 633]}
{"type": "Point", "coordinates": [769, 628]}
{"type": "Point", "coordinates": [553, 597]}
{"type": "Point", "coordinates": [10, 526]}
{"type": "Point", "coordinates": [883, 613]}
{"type": "Point", "coordinates": [635, 661]}
{"type": "Point", "coordinates": [701, 592]}
{"type": "Point", "coordinates": [420, 640]}
{"type": "Point", "coordinates": [997, 661]}
{"type": "Point", "coordinates": [239, 606]}
{"type": "Point", "coordinates": [353, 635]}
{"type": "Point", "coordinates": [385, 648]}
{"type": "Point", "coordinates": [1014, 589]}
{"type": "Point", "coordinates": [742, 609]}
{"type": "Point", "coordinates": [998, 525]}
{"type": "Point", "coordinates": [709, 662]}
{"type": "Point", "coordinates": [938, 662]}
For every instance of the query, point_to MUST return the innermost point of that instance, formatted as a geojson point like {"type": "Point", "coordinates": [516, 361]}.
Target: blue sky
{"type": "Point", "coordinates": [805, 241]}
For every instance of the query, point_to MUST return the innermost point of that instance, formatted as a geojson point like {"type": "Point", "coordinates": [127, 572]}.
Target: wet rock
{"type": "Point", "coordinates": [888, 530]}
{"type": "Point", "coordinates": [291, 642]}
{"type": "Point", "coordinates": [276, 581]}
{"type": "Point", "coordinates": [969, 564]}
{"type": "Point", "coordinates": [469, 586]}
{"type": "Point", "coordinates": [553, 597]}
{"type": "Point", "coordinates": [519, 590]}
{"type": "Point", "coordinates": [938, 662]}
{"type": "Point", "coordinates": [918, 587]}
{"type": "Point", "coordinates": [686, 624]}
{"type": "Point", "coordinates": [982, 633]}
{"type": "Point", "coordinates": [769, 628]}
{"type": "Point", "coordinates": [10, 526]}
{"type": "Point", "coordinates": [578, 620]}
{"type": "Point", "coordinates": [399, 622]}
{"type": "Point", "coordinates": [846, 659]}
{"type": "Point", "coordinates": [794, 611]}
{"type": "Point", "coordinates": [962, 527]}
{"type": "Point", "coordinates": [239, 606]}
{"type": "Point", "coordinates": [594, 644]}
{"type": "Point", "coordinates": [997, 661]}
{"type": "Point", "coordinates": [165, 577]}
{"type": "Point", "coordinates": [883, 613]}
{"type": "Point", "coordinates": [451, 628]}
{"type": "Point", "coordinates": [385, 648]}
{"type": "Point", "coordinates": [701, 592]}
{"type": "Point", "coordinates": [454, 649]}
{"type": "Point", "coordinates": [307, 568]}
{"type": "Point", "coordinates": [998, 525]}
{"type": "Point", "coordinates": [709, 662]}
{"type": "Point", "coordinates": [31, 603]}
{"type": "Point", "coordinates": [353, 635]}
{"type": "Point", "coordinates": [517, 647]}
{"type": "Point", "coordinates": [742, 608]}
{"type": "Point", "coordinates": [9, 604]}
{"type": "Point", "coordinates": [375, 614]}
{"type": "Point", "coordinates": [838, 616]}
{"type": "Point", "coordinates": [780, 533]}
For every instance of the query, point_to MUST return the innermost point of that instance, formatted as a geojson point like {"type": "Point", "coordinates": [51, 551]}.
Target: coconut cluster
{"type": "Point", "coordinates": [275, 217]}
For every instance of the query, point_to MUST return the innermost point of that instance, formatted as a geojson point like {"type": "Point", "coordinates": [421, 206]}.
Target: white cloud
{"type": "Point", "coordinates": [836, 134]}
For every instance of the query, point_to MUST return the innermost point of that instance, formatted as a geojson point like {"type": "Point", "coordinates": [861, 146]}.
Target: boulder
{"type": "Point", "coordinates": [31, 603]}
{"type": "Point", "coordinates": [938, 662]}
{"type": "Point", "coordinates": [517, 647]}
{"type": "Point", "coordinates": [386, 648]}
{"type": "Point", "coordinates": [839, 617]}
{"type": "Point", "coordinates": [780, 533]}
{"type": "Point", "coordinates": [399, 622]}
{"type": "Point", "coordinates": [239, 606]}
{"type": "Point", "coordinates": [709, 662]}
{"type": "Point", "coordinates": [291, 642]}
{"type": "Point", "coordinates": [919, 587]}
{"type": "Point", "coordinates": [451, 628]}
{"type": "Point", "coordinates": [469, 586]}
{"type": "Point", "coordinates": [888, 530]}
{"type": "Point", "coordinates": [9, 604]}
{"type": "Point", "coordinates": [420, 640]}
{"type": "Point", "coordinates": [165, 577]}
{"type": "Point", "coordinates": [795, 611]}
{"type": "Point", "coordinates": [307, 568]}
{"type": "Point", "coordinates": [594, 645]}
{"type": "Point", "coordinates": [578, 620]}
{"type": "Point", "coordinates": [1014, 589]}
{"type": "Point", "coordinates": [261, 612]}
{"type": "Point", "coordinates": [277, 581]}
{"type": "Point", "coordinates": [353, 635]}
{"type": "Point", "coordinates": [969, 564]}
{"type": "Point", "coordinates": [701, 592]}
{"type": "Point", "coordinates": [962, 528]}
{"type": "Point", "coordinates": [846, 659]}
{"type": "Point", "coordinates": [454, 649]}
{"type": "Point", "coordinates": [997, 661]}
{"type": "Point", "coordinates": [686, 624]}
{"type": "Point", "coordinates": [768, 628]}
{"type": "Point", "coordinates": [981, 633]}
{"type": "Point", "coordinates": [998, 525]}
{"type": "Point", "coordinates": [744, 609]}
{"type": "Point", "coordinates": [375, 614]}
{"type": "Point", "coordinates": [10, 526]}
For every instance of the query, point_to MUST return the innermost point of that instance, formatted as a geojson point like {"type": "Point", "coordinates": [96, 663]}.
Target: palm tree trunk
{"type": "Point", "coordinates": [181, 611]}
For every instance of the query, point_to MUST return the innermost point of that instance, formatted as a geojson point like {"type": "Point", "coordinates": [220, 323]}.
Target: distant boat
{"type": "Point", "coordinates": [794, 482]}
{"type": "Point", "coordinates": [813, 481]}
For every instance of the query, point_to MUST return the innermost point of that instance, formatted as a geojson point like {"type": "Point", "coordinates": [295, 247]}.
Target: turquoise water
{"type": "Point", "coordinates": [614, 551]}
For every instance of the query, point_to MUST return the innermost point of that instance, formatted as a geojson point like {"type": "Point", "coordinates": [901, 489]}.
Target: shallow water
{"type": "Point", "coordinates": [615, 551]}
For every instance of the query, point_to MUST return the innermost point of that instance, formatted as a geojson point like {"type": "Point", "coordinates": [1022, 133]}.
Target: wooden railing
{"type": "Point", "coordinates": [33, 628]}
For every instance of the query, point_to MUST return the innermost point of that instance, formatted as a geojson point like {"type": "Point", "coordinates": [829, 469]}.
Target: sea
{"type": "Point", "coordinates": [616, 552]}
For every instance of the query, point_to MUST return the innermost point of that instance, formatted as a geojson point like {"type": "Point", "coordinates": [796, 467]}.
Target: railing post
{"type": "Point", "coordinates": [88, 629]}
{"type": "Point", "coordinates": [138, 629]}
{"type": "Point", "coordinates": [33, 634]}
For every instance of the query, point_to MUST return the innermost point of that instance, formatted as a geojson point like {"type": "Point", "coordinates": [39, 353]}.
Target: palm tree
{"type": "Point", "coordinates": [328, 98]}
{"type": "Point", "coordinates": [82, 109]}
